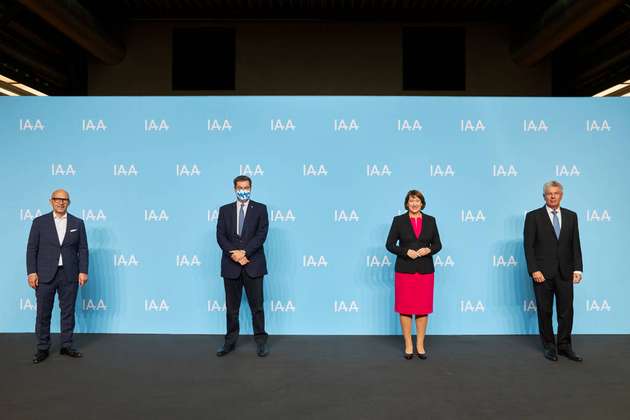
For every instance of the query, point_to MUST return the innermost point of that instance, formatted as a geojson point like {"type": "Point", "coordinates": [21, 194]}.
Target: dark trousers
{"type": "Point", "coordinates": [45, 293]}
{"type": "Point", "coordinates": [233, 293]}
{"type": "Point", "coordinates": [562, 289]}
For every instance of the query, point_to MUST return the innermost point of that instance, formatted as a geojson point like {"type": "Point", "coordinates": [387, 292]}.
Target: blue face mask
{"type": "Point", "coordinates": [243, 195]}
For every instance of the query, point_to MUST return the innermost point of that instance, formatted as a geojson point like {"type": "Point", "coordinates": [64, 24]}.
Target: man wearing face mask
{"type": "Point", "coordinates": [241, 232]}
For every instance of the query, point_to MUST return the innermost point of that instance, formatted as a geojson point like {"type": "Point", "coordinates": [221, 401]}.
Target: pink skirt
{"type": "Point", "coordinates": [413, 293]}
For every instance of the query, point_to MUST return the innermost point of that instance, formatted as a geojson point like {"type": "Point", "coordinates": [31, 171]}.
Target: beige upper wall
{"type": "Point", "coordinates": [316, 59]}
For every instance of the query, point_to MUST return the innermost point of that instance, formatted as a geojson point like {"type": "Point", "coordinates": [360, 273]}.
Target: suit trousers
{"type": "Point", "coordinates": [233, 293]}
{"type": "Point", "coordinates": [562, 289]}
{"type": "Point", "coordinates": [67, 289]}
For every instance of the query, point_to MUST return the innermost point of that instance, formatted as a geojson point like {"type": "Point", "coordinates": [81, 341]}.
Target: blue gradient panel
{"type": "Point", "coordinates": [149, 174]}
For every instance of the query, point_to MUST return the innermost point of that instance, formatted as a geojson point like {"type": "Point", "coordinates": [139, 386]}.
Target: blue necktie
{"type": "Point", "coordinates": [241, 219]}
{"type": "Point", "coordinates": [556, 223]}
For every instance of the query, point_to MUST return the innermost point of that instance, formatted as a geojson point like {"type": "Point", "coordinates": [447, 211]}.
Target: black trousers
{"type": "Point", "coordinates": [45, 293]}
{"type": "Point", "coordinates": [233, 293]}
{"type": "Point", "coordinates": [562, 290]}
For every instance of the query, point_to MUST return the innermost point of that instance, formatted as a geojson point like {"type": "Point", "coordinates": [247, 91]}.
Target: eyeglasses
{"type": "Point", "coordinates": [60, 200]}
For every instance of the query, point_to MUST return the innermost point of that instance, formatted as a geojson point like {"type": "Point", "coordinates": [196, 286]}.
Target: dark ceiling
{"type": "Point", "coordinates": [348, 10]}
{"type": "Point", "coordinates": [47, 43]}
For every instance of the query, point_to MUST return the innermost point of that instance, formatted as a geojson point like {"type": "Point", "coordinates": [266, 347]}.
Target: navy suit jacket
{"type": "Point", "coordinates": [548, 254]}
{"type": "Point", "coordinates": [43, 249]}
{"type": "Point", "coordinates": [255, 228]}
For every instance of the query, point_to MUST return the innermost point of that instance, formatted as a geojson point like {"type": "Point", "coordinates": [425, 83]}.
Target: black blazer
{"type": "Point", "coordinates": [43, 249]}
{"type": "Point", "coordinates": [255, 228]}
{"type": "Point", "coordinates": [544, 252]}
{"type": "Point", "coordinates": [401, 238]}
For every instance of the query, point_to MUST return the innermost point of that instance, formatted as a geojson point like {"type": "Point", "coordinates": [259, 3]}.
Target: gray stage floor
{"type": "Point", "coordinates": [314, 377]}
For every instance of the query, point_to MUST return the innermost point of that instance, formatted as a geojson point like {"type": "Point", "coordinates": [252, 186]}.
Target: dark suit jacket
{"type": "Point", "coordinates": [254, 233]}
{"type": "Point", "coordinates": [43, 249]}
{"type": "Point", "coordinates": [401, 238]}
{"type": "Point", "coordinates": [544, 252]}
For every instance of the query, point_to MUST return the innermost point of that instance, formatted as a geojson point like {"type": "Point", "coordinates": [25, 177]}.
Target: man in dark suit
{"type": "Point", "coordinates": [241, 232]}
{"type": "Point", "coordinates": [56, 262]}
{"type": "Point", "coordinates": [554, 261]}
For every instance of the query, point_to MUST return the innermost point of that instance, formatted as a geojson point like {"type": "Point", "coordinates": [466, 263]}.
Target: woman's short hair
{"type": "Point", "coordinates": [417, 194]}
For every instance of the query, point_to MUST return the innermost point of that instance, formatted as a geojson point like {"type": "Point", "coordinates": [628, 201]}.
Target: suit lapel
{"type": "Point", "coordinates": [423, 228]}
{"type": "Point", "coordinates": [563, 223]}
{"type": "Point", "coordinates": [51, 220]}
{"type": "Point", "coordinates": [409, 226]}
{"type": "Point", "coordinates": [233, 220]}
{"type": "Point", "coordinates": [250, 207]}
{"type": "Point", "coordinates": [69, 226]}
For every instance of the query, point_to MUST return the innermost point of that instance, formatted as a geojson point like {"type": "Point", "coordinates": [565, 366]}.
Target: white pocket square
{"type": "Point", "coordinates": [73, 230]}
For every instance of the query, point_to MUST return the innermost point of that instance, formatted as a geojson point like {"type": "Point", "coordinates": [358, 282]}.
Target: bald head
{"type": "Point", "coordinates": [60, 193]}
{"type": "Point", "coordinates": [59, 201]}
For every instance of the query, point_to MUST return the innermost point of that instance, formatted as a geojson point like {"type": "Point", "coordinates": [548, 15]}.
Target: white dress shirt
{"type": "Point", "coordinates": [61, 223]}
{"type": "Point", "coordinates": [550, 212]}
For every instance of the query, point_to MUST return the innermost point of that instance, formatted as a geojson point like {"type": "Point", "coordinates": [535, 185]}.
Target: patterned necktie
{"type": "Point", "coordinates": [241, 219]}
{"type": "Point", "coordinates": [556, 223]}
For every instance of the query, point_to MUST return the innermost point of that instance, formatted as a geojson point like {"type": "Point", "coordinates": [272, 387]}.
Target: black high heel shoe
{"type": "Point", "coordinates": [422, 356]}
{"type": "Point", "coordinates": [408, 356]}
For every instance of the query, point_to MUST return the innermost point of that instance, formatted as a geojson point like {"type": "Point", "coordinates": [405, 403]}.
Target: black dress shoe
{"type": "Point", "coordinates": [225, 350]}
{"type": "Point", "coordinates": [422, 356]}
{"type": "Point", "coordinates": [70, 352]}
{"type": "Point", "coordinates": [261, 350]}
{"type": "Point", "coordinates": [408, 356]}
{"type": "Point", "coordinates": [40, 356]}
{"type": "Point", "coordinates": [570, 354]}
{"type": "Point", "coordinates": [550, 354]}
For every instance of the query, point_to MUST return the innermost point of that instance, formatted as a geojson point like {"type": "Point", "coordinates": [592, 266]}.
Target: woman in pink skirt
{"type": "Point", "coordinates": [414, 238]}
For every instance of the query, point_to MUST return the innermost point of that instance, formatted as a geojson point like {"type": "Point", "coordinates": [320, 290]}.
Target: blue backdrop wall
{"type": "Point", "coordinates": [149, 174]}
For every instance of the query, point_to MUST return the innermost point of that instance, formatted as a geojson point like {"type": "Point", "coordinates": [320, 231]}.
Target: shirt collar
{"type": "Point", "coordinates": [64, 217]}
{"type": "Point", "coordinates": [550, 210]}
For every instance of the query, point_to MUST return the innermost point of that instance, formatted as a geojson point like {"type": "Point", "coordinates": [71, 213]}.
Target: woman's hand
{"type": "Point", "coordinates": [412, 254]}
{"type": "Point", "coordinates": [423, 251]}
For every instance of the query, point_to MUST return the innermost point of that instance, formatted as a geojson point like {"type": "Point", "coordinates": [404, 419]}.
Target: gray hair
{"type": "Point", "coordinates": [550, 184]}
